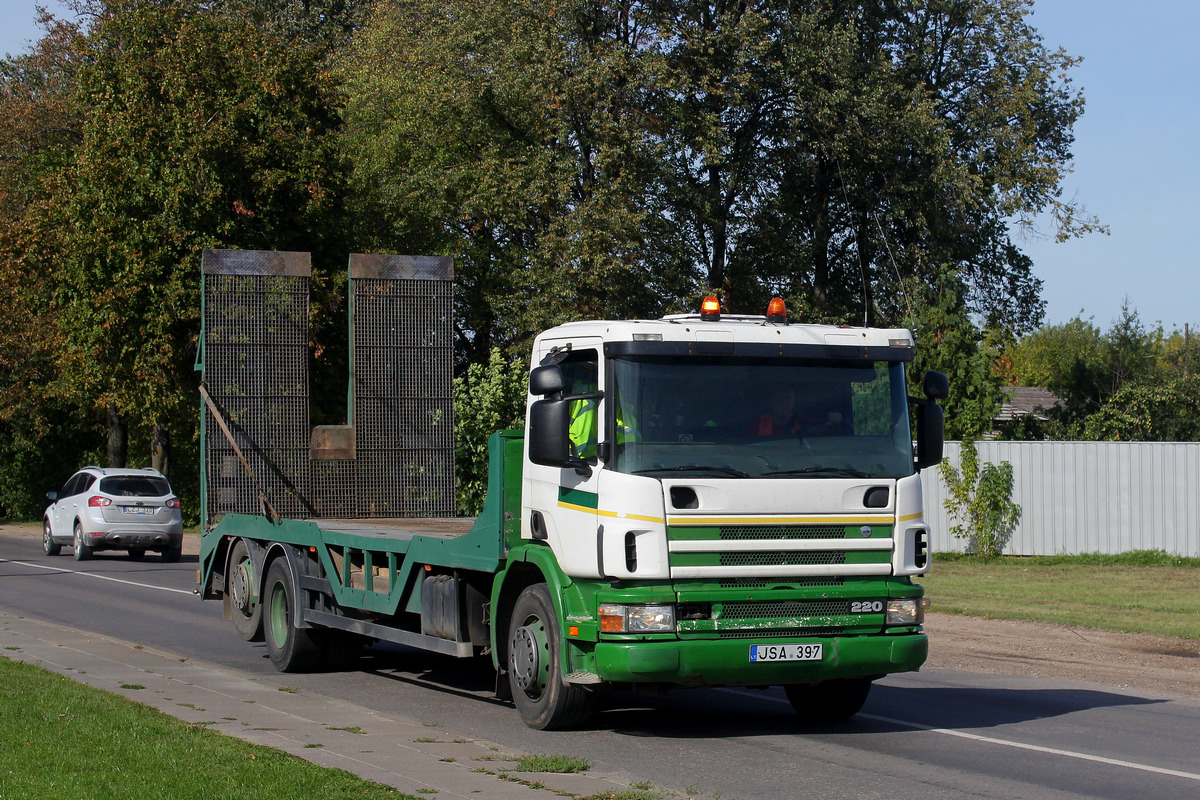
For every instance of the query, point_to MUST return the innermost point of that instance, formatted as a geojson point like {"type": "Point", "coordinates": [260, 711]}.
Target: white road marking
{"type": "Point", "coordinates": [101, 577]}
{"type": "Point", "coordinates": [1116, 762]}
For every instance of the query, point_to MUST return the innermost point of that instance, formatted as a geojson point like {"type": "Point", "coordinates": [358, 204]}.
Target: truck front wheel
{"type": "Point", "coordinates": [544, 700]}
{"type": "Point", "coordinates": [291, 649]}
{"type": "Point", "coordinates": [829, 701]}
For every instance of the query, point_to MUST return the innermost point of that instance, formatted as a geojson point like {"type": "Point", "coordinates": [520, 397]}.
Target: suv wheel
{"type": "Point", "coordinates": [48, 545]}
{"type": "Point", "coordinates": [82, 551]}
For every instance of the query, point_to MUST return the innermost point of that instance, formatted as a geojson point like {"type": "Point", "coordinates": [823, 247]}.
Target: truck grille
{"type": "Point", "coordinates": [782, 558]}
{"type": "Point", "coordinates": [786, 608]}
{"type": "Point", "coordinates": [786, 553]}
{"type": "Point", "coordinates": [734, 533]}
{"type": "Point", "coordinates": [762, 583]}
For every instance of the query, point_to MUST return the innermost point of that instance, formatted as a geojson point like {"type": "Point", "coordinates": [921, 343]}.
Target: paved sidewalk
{"type": "Point", "coordinates": [391, 750]}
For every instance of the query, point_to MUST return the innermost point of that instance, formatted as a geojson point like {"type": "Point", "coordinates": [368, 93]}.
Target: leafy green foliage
{"type": "Point", "coordinates": [949, 342]}
{"type": "Point", "coordinates": [979, 497]}
{"type": "Point", "coordinates": [1149, 412]}
{"type": "Point", "coordinates": [578, 160]}
{"type": "Point", "coordinates": [1127, 383]}
{"type": "Point", "coordinates": [621, 158]}
{"type": "Point", "coordinates": [487, 398]}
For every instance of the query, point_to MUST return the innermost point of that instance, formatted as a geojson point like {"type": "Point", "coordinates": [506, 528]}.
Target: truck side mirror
{"type": "Point", "coordinates": [549, 443]}
{"type": "Point", "coordinates": [546, 380]}
{"type": "Point", "coordinates": [935, 385]}
{"type": "Point", "coordinates": [931, 433]}
{"type": "Point", "coordinates": [549, 435]}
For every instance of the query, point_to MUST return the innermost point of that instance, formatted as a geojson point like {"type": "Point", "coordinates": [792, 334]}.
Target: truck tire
{"type": "Point", "coordinates": [544, 700]}
{"type": "Point", "coordinates": [291, 649]}
{"type": "Point", "coordinates": [829, 701]}
{"type": "Point", "coordinates": [243, 593]}
{"type": "Point", "coordinates": [48, 545]}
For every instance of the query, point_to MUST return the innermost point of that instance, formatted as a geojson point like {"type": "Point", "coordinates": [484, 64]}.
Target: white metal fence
{"type": "Point", "coordinates": [1088, 497]}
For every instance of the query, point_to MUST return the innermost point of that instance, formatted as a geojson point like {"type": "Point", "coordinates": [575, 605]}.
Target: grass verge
{"type": "Point", "coordinates": [554, 763]}
{"type": "Point", "coordinates": [67, 740]}
{"type": "Point", "coordinates": [1139, 592]}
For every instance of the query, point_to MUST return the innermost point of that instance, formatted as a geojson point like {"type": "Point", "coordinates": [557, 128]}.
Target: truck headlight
{"type": "Point", "coordinates": [905, 611]}
{"type": "Point", "coordinates": [621, 618]}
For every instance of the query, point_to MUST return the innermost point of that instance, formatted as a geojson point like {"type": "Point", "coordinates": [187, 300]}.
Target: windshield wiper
{"type": "Point", "coordinates": [846, 471]}
{"type": "Point", "coordinates": [730, 471]}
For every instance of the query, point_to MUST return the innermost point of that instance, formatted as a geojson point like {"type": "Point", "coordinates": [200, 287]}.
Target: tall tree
{"type": "Point", "coordinates": [827, 151]}
{"type": "Point", "coordinates": [512, 136]}
{"type": "Point", "coordinates": [44, 430]}
{"type": "Point", "coordinates": [198, 131]}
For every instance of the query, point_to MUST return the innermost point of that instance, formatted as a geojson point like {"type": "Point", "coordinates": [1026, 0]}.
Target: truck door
{"type": "Point", "coordinates": [560, 502]}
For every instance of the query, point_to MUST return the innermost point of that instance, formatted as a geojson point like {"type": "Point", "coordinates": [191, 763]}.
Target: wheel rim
{"type": "Point", "coordinates": [78, 538]}
{"type": "Point", "coordinates": [529, 643]}
{"type": "Point", "coordinates": [241, 580]}
{"type": "Point", "coordinates": [47, 540]}
{"type": "Point", "coordinates": [278, 614]}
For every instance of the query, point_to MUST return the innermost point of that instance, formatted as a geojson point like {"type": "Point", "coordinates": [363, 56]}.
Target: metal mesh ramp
{"type": "Point", "coordinates": [395, 457]}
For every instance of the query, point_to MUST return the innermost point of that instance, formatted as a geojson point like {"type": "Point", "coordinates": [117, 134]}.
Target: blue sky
{"type": "Point", "coordinates": [1137, 156]}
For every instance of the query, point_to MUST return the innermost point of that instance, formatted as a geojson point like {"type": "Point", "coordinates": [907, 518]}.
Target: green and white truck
{"type": "Point", "coordinates": [699, 500]}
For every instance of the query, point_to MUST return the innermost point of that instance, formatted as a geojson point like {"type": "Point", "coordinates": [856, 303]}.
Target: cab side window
{"type": "Point", "coordinates": [581, 375]}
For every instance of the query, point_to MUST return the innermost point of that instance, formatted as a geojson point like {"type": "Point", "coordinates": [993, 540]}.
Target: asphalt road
{"type": "Point", "coordinates": [935, 734]}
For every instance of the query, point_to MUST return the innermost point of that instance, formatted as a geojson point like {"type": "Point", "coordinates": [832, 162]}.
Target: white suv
{"type": "Point", "coordinates": [114, 509]}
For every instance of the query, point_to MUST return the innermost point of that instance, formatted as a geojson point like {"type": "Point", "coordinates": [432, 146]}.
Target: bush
{"type": "Point", "coordinates": [980, 498]}
{"type": "Point", "coordinates": [488, 398]}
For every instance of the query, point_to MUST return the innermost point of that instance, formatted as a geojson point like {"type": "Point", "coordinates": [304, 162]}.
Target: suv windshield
{"type": "Point", "coordinates": [134, 486]}
{"type": "Point", "coordinates": [731, 417]}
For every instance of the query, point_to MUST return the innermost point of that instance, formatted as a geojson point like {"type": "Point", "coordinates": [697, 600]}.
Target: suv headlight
{"type": "Point", "coordinates": [621, 618]}
{"type": "Point", "coordinates": [905, 611]}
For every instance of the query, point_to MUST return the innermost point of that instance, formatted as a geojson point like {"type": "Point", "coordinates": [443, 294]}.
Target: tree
{"type": "Point", "coordinates": [512, 139]}
{"type": "Point", "coordinates": [1154, 411]}
{"type": "Point", "coordinates": [949, 342]}
{"type": "Point", "coordinates": [622, 157]}
{"type": "Point", "coordinates": [44, 430]}
{"type": "Point", "coordinates": [1085, 367]}
{"type": "Point", "coordinates": [197, 132]}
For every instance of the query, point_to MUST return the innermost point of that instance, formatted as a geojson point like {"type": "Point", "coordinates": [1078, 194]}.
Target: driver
{"type": "Point", "coordinates": [781, 418]}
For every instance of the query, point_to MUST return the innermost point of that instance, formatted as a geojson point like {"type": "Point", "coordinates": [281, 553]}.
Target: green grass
{"type": "Point", "coordinates": [66, 740]}
{"type": "Point", "coordinates": [1139, 592]}
{"type": "Point", "coordinates": [555, 763]}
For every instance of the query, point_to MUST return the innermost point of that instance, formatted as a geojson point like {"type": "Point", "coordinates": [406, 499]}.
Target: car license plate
{"type": "Point", "coordinates": [786, 652]}
{"type": "Point", "coordinates": [138, 510]}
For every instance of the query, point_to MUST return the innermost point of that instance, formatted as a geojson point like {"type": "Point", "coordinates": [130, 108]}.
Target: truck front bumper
{"type": "Point", "coordinates": [727, 662]}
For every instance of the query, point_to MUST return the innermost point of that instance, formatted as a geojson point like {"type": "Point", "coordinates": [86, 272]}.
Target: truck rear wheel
{"type": "Point", "coordinates": [243, 593]}
{"type": "Point", "coordinates": [829, 701]}
{"type": "Point", "coordinates": [544, 700]}
{"type": "Point", "coordinates": [291, 649]}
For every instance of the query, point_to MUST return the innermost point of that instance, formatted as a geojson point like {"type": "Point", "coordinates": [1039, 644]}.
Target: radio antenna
{"type": "Point", "coordinates": [895, 269]}
{"type": "Point", "coordinates": [862, 267]}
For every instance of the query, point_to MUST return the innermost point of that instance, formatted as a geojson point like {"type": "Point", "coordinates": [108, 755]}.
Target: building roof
{"type": "Point", "coordinates": [1025, 400]}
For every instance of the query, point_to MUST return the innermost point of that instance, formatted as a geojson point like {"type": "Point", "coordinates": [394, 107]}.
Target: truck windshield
{"type": "Point", "coordinates": [752, 418]}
